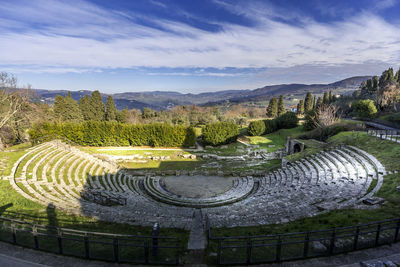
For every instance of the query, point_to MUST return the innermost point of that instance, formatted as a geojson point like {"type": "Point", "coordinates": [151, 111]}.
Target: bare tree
{"type": "Point", "coordinates": [11, 100]}
{"type": "Point", "coordinates": [326, 115]}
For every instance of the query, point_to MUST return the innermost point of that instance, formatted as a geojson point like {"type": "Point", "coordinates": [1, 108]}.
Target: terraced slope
{"type": "Point", "coordinates": [58, 175]}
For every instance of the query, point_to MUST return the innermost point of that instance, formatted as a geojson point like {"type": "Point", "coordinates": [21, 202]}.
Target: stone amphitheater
{"type": "Point", "coordinates": [62, 176]}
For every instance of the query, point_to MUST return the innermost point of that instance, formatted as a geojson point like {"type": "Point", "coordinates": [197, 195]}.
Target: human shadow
{"type": "Point", "coordinates": [52, 221]}
{"type": "Point", "coordinates": [4, 208]}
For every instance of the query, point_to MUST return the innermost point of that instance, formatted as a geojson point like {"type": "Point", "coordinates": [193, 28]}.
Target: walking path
{"type": "Point", "coordinates": [197, 238]}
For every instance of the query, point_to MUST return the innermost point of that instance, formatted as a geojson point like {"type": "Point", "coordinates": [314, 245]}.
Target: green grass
{"type": "Point", "coordinates": [179, 164]}
{"type": "Point", "coordinates": [278, 138]}
{"type": "Point", "coordinates": [130, 152]}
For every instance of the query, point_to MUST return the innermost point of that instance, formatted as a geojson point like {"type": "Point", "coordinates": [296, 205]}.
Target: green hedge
{"type": "Point", "coordinates": [220, 133]}
{"type": "Point", "coordinates": [285, 121]}
{"type": "Point", "coordinates": [97, 133]}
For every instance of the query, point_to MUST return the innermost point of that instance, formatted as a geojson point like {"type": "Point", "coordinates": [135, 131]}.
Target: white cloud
{"type": "Point", "coordinates": [81, 36]}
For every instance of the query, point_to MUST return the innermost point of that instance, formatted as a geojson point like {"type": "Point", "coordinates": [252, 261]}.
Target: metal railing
{"type": "Point", "coordinates": [302, 245]}
{"type": "Point", "coordinates": [392, 135]}
{"type": "Point", "coordinates": [152, 249]}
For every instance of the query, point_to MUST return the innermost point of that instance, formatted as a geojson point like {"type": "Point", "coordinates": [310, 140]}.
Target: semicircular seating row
{"type": "Point", "coordinates": [54, 173]}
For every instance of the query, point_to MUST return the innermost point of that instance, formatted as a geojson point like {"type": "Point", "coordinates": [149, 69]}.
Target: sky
{"type": "Point", "coordinates": [195, 45]}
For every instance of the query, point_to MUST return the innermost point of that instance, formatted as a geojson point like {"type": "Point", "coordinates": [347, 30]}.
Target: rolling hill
{"type": "Point", "coordinates": [160, 100]}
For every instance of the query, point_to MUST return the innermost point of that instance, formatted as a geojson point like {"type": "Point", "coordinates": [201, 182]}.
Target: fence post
{"type": "Point", "coordinates": [115, 246]}
{"type": "Point", "coordinates": [86, 240]}
{"type": "Point", "coordinates": [278, 249]}
{"type": "Point", "coordinates": [378, 232]}
{"type": "Point", "coordinates": [59, 238]}
{"type": "Point", "coordinates": [219, 251]}
{"type": "Point", "coordinates": [249, 247]}
{"type": "Point", "coordinates": [396, 233]}
{"type": "Point", "coordinates": [35, 238]}
{"type": "Point", "coordinates": [356, 238]}
{"type": "Point", "coordinates": [332, 243]}
{"type": "Point", "coordinates": [154, 234]}
{"type": "Point", "coordinates": [146, 252]}
{"type": "Point", "coordinates": [306, 244]}
{"type": "Point", "coordinates": [13, 232]}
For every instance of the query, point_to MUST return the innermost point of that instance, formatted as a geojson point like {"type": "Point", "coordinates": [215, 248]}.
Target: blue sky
{"type": "Point", "coordinates": [195, 45]}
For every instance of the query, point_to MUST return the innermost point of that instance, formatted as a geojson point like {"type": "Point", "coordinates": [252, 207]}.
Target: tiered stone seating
{"type": "Point", "coordinates": [56, 174]}
{"type": "Point", "coordinates": [329, 180]}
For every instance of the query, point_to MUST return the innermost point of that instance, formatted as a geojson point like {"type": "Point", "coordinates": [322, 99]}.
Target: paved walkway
{"type": "Point", "coordinates": [197, 237]}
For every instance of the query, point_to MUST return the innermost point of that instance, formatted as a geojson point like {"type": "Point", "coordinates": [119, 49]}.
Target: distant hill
{"type": "Point", "coordinates": [163, 100]}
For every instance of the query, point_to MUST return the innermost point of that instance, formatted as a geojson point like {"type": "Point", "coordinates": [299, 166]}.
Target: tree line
{"type": "Point", "coordinates": [383, 90]}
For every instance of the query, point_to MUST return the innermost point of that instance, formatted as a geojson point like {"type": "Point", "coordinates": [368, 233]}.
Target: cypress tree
{"type": "Point", "coordinates": [326, 98]}
{"type": "Point", "coordinates": [397, 77]}
{"type": "Point", "coordinates": [97, 106]}
{"type": "Point", "coordinates": [308, 102]}
{"type": "Point", "coordinates": [375, 83]}
{"type": "Point", "coordinates": [111, 111]}
{"type": "Point", "coordinates": [59, 106]}
{"type": "Point", "coordinates": [84, 106]}
{"type": "Point", "coordinates": [272, 110]}
{"type": "Point", "coordinates": [320, 102]}
{"type": "Point", "coordinates": [300, 107]}
{"type": "Point", "coordinates": [281, 106]}
{"type": "Point", "coordinates": [314, 102]}
{"type": "Point", "coordinates": [330, 96]}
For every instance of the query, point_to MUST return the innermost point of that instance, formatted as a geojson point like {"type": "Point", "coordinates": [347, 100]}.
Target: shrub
{"type": "Point", "coordinates": [104, 133]}
{"type": "Point", "coordinates": [256, 128]}
{"type": "Point", "coordinates": [270, 126]}
{"type": "Point", "coordinates": [364, 108]}
{"type": "Point", "coordinates": [323, 134]}
{"type": "Point", "coordinates": [220, 133]}
{"type": "Point", "coordinates": [287, 120]}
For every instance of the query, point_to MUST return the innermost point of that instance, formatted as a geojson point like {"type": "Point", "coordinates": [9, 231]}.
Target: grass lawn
{"type": "Point", "coordinates": [278, 138]}
{"type": "Point", "coordinates": [120, 151]}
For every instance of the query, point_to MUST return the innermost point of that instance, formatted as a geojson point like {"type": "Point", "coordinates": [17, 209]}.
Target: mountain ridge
{"type": "Point", "coordinates": [160, 100]}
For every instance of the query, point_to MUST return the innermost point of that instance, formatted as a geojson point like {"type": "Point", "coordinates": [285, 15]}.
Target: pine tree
{"type": "Point", "coordinates": [84, 106]}
{"type": "Point", "coordinates": [308, 102]}
{"type": "Point", "coordinates": [111, 111]}
{"type": "Point", "coordinates": [330, 96]}
{"type": "Point", "coordinates": [320, 102]}
{"type": "Point", "coordinates": [326, 98]}
{"type": "Point", "coordinates": [72, 111]}
{"type": "Point", "coordinates": [300, 107]}
{"type": "Point", "coordinates": [122, 115]}
{"type": "Point", "coordinates": [66, 109]}
{"type": "Point", "coordinates": [272, 110]}
{"type": "Point", "coordinates": [281, 106]}
{"type": "Point", "coordinates": [59, 106]}
{"type": "Point", "coordinates": [97, 106]}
